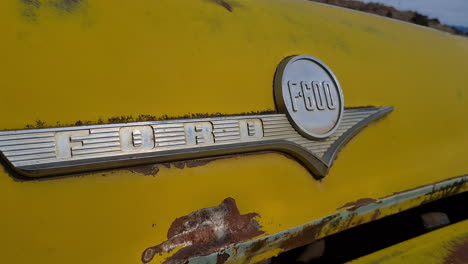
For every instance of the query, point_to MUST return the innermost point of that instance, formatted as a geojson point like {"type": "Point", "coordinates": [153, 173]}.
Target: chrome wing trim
{"type": "Point", "coordinates": [54, 151]}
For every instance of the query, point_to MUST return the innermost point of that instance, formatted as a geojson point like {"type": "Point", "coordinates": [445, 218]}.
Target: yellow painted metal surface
{"type": "Point", "coordinates": [448, 245]}
{"type": "Point", "coordinates": [357, 213]}
{"type": "Point", "coordinates": [64, 61]}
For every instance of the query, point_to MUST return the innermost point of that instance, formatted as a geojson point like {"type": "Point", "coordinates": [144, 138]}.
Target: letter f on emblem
{"type": "Point", "coordinates": [295, 93]}
{"type": "Point", "coordinates": [65, 141]}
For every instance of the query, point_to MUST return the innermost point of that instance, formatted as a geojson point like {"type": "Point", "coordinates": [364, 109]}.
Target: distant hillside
{"type": "Point", "coordinates": [462, 29]}
{"type": "Point", "coordinates": [389, 11]}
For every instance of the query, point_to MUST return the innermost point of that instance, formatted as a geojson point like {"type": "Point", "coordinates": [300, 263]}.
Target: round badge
{"type": "Point", "coordinates": [309, 93]}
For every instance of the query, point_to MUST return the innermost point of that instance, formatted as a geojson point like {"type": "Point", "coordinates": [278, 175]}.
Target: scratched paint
{"type": "Point", "coordinates": [205, 231]}
{"type": "Point", "coordinates": [358, 212]}
{"type": "Point", "coordinates": [356, 204]}
{"type": "Point", "coordinates": [152, 170]}
{"type": "Point", "coordinates": [134, 58]}
{"type": "Point", "coordinates": [224, 4]}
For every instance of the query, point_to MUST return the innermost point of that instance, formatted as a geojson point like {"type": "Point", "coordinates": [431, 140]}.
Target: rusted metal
{"type": "Point", "coordinates": [152, 170]}
{"type": "Point", "coordinates": [67, 5]}
{"type": "Point", "coordinates": [224, 4]}
{"type": "Point", "coordinates": [149, 170]}
{"type": "Point", "coordinates": [459, 254]}
{"type": "Point", "coordinates": [356, 204]}
{"type": "Point", "coordinates": [358, 212]}
{"type": "Point", "coordinates": [206, 231]}
{"type": "Point", "coordinates": [222, 258]}
{"type": "Point", "coordinates": [140, 118]}
{"type": "Point", "coordinates": [192, 163]}
{"type": "Point", "coordinates": [307, 234]}
{"type": "Point", "coordinates": [29, 9]}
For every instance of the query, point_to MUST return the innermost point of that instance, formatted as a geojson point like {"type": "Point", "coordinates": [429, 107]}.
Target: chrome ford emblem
{"type": "Point", "coordinates": [306, 126]}
{"type": "Point", "coordinates": [307, 90]}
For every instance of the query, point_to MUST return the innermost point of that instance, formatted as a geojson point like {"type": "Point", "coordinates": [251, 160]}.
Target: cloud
{"type": "Point", "coordinates": [452, 12]}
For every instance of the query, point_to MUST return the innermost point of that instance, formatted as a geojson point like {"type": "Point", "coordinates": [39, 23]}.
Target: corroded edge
{"type": "Point", "coordinates": [356, 213]}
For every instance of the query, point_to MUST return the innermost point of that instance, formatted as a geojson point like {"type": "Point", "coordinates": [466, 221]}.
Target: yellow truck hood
{"type": "Point", "coordinates": [86, 62]}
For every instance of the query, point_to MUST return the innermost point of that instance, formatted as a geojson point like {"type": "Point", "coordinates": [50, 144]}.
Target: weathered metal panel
{"type": "Point", "coordinates": [358, 212]}
{"type": "Point", "coordinates": [82, 61]}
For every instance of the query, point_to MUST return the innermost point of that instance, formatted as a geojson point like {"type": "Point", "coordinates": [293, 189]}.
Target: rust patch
{"type": "Point", "coordinates": [192, 163]}
{"type": "Point", "coordinates": [141, 118]}
{"type": "Point", "coordinates": [206, 231]}
{"type": "Point", "coordinates": [149, 170]}
{"type": "Point", "coordinates": [375, 215]}
{"type": "Point", "coordinates": [144, 169]}
{"type": "Point", "coordinates": [29, 9]}
{"type": "Point", "coordinates": [204, 161]}
{"type": "Point", "coordinates": [356, 204]}
{"type": "Point", "coordinates": [67, 5]}
{"type": "Point", "coordinates": [34, 3]}
{"type": "Point", "coordinates": [332, 224]}
{"type": "Point", "coordinates": [257, 246]}
{"type": "Point", "coordinates": [167, 165]}
{"type": "Point", "coordinates": [179, 164]}
{"type": "Point", "coordinates": [221, 258]}
{"type": "Point", "coordinates": [224, 4]}
{"type": "Point", "coordinates": [308, 235]}
{"type": "Point", "coordinates": [459, 254]}
{"type": "Point", "coordinates": [198, 162]}
{"type": "Point", "coordinates": [446, 191]}
{"type": "Point", "coordinates": [152, 170]}
{"type": "Point", "coordinates": [342, 223]}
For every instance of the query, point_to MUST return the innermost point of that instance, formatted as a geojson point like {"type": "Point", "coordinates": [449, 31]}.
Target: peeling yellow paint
{"type": "Point", "coordinates": [174, 58]}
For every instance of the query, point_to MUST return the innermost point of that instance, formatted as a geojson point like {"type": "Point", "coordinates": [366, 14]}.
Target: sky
{"type": "Point", "coordinates": [451, 12]}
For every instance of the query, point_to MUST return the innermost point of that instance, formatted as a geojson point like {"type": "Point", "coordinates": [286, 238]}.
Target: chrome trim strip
{"type": "Point", "coordinates": [55, 151]}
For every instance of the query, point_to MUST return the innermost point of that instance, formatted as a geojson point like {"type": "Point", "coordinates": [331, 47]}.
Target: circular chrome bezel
{"type": "Point", "coordinates": [279, 84]}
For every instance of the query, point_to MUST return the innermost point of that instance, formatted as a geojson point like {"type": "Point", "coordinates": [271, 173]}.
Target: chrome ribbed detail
{"type": "Point", "coordinates": [63, 150]}
{"type": "Point", "coordinates": [279, 128]}
{"type": "Point", "coordinates": [166, 135]}
{"type": "Point", "coordinates": [17, 146]}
